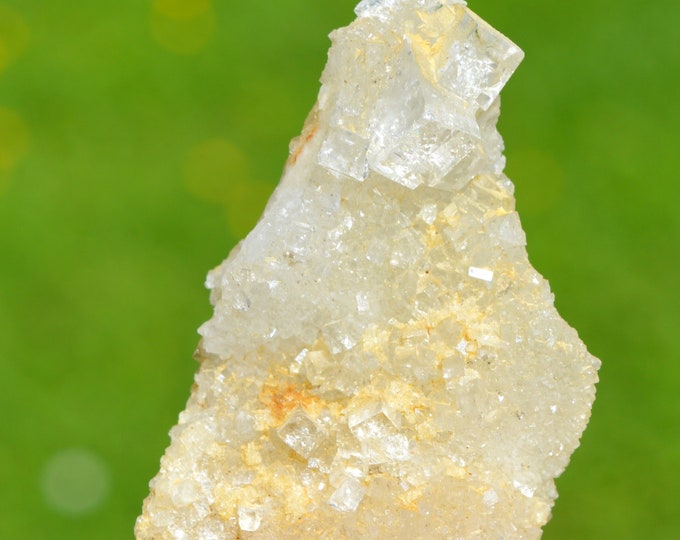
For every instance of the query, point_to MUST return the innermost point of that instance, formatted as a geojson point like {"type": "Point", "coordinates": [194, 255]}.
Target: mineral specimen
{"type": "Point", "coordinates": [383, 362]}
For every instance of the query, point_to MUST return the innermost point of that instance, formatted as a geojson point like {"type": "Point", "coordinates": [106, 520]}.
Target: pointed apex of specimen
{"type": "Point", "coordinates": [383, 361]}
{"type": "Point", "coordinates": [383, 9]}
{"type": "Point", "coordinates": [434, 69]}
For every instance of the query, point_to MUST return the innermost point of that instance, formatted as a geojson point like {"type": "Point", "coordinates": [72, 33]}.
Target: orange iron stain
{"type": "Point", "coordinates": [282, 400]}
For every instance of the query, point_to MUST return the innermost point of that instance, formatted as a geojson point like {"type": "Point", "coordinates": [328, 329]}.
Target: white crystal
{"type": "Point", "coordinates": [527, 491]}
{"type": "Point", "coordinates": [249, 519]}
{"type": "Point", "coordinates": [383, 361]}
{"type": "Point", "coordinates": [348, 496]}
{"type": "Point", "coordinates": [481, 273]}
{"type": "Point", "coordinates": [490, 498]}
{"type": "Point", "coordinates": [301, 434]}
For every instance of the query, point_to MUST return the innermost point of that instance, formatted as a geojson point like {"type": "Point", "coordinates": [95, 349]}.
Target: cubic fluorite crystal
{"type": "Point", "coordinates": [383, 361]}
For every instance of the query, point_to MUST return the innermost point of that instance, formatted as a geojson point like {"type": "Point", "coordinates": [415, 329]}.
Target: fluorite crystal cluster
{"type": "Point", "coordinates": [383, 362]}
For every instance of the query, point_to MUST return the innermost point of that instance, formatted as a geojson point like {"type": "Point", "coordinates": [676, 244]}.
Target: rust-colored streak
{"type": "Point", "coordinates": [282, 400]}
{"type": "Point", "coordinates": [304, 140]}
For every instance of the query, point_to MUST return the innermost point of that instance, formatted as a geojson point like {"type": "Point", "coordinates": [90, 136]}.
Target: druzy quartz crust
{"type": "Point", "coordinates": [383, 361]}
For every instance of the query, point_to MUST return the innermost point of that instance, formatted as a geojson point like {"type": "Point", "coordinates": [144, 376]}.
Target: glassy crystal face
{"type": "Point", "coordinates": [301, 434]}
{"type": "Point", "coordinates": [383, 361]}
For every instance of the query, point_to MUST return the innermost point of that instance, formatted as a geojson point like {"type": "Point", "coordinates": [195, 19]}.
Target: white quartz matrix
{"type": "Point", "coordinates": [383, 362]}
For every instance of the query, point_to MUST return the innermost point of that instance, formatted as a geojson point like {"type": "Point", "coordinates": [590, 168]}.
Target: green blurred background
{"type": "Point", "coordinates": [139, 140]}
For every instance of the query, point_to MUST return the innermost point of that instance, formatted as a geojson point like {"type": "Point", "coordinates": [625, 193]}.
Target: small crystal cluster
{"type": "Point", "coordinates": [383, 361]}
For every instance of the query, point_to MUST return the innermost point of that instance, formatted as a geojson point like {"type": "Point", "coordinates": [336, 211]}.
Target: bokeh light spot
{"type": "Point", "coordinates": [218, 172]}
{"type": "Point", "coordinates": [183, 27]}
{"type": "Point", "coordinates": [539, 180]}
{"type": "Point", "coordinates": [75, 482]}
{"type": "Point", "coordinates": [182, 10]}
{"type": "Point", "coordinates": [13, 139]}
{"type": "Point", "coordinates": [14, 36]}
{"type": "Point", "coordinates": [214, 170]}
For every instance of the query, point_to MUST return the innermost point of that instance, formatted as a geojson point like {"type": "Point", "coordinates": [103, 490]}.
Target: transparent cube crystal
{"type": "Point", "coordinates": [368, 411]}
{"type": "Point", "coordinates": [421, 155]}
{"type": "Point", "coordinates": [301, 434]}
{"type": "Point", "coordinates": [477, 62]}
{"type": "Point", "coordinates": [379, 435]}
{"type": "Point", "coordinates": [345, 152]}
{"type": "Point", "coordinates": [316, 366]}
{"type": "Point", "coordinates": [396, 447]}
{"type": "Point", "coordinates": [348, 496]}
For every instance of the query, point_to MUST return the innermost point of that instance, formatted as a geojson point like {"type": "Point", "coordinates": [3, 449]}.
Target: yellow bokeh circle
{"type": "Point", "coordinates": [14, 36]}
{"type": "Point", "coordinates": [14, 136]}
{"type": "Point", "coordinates": [182, 10]}
{"type": "Point", "coordinates": [218, 172]}
{"type": "Point", "coordinates": [182, 26]}
{"type": "Point", "coordinates": [215, 170]}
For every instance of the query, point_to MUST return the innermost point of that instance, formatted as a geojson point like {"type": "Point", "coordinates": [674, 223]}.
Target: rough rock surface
{"type": "Point", "coordinates": [383, 361]}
